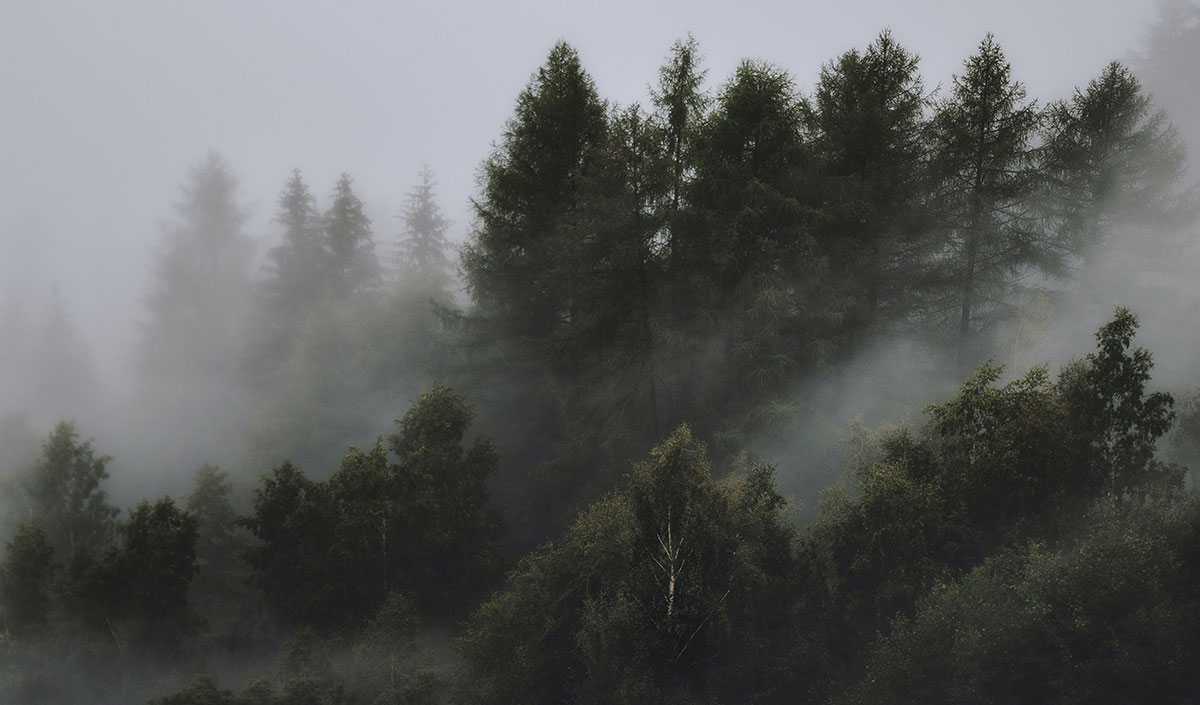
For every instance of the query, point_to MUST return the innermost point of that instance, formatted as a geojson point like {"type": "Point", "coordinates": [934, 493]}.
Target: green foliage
{"type": "Point", "coordinates": [297, 270]}
{"type": "Point", "coordinates": [1113, 161]}
{"type": "Point", "coordinates": [995, 467]}
{"type": "Point", "coordinates": [986, 184]}
{"type": "Point", "coordinates": [1107, 618]}
{"type": "Point", "coordinates": [1119, 422]}
{"type": "Point", "coordinates": [293, 520]}
{"type": "Point", "coordinates": [521, 266]}
{"type": "Point", "coordinates": [655, 593]}
{"type": "Point", "coordinates": [452, 555]}
{"type": "Point", "coordinates": [760, 314]}
{"type": "Point", "coordinates": [868, 129]}
{"type": "Point", "coordinates": [331, 552]}
{"type": "Point", "coordinates": [352, 263]}
{"type": "Point", "coordinates": [353, 359]}
{"type": "Point", "coordinates": [25, 581]}
{"type": "Point", "coordinates": [65, 493]}
{"type": "Point", "coordinates": [152, 570]}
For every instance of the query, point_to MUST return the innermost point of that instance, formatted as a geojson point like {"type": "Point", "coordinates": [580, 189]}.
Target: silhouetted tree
{"type": "Point", "coordinates": [423, 248]}
{"type": "Point", "coordinates": [985, 193]}
{"type": "Point", "coordinates": [353, 266]}
{"type": "Point", "coordinates": [198, 300]}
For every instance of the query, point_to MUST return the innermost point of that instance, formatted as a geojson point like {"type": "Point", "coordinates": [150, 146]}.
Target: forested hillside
{"type": "Point", "coordinates": [603, 452]}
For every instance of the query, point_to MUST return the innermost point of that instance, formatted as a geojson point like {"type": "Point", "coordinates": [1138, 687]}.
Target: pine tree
{"type": "Point", "coordinates": [1114, 162]}
{"type": "Point", "coordinates": [521, 264]}
{"type": "Point", "coordinates": [753, 260]}
{"type": "Point", "coordinates": [423, 248]}
{"type": "Point", "coordinates": [868, 122]}
{"type": "Point", "coordinates": [198, 301]}
{"type": "Point", "coordinates": [680, 107]}
{"type": "Point", "coordinates": [66, 380]}
{"type": "Point", "coordinates": [353, 265]}
{"type": "Point", "coordinates": [985, 192]}
{"type": "Point", "coordinates": [297, 269]}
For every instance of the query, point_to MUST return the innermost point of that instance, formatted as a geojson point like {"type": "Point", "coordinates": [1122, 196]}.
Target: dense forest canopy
{"type": "Point", "coordinates": [603, 452]}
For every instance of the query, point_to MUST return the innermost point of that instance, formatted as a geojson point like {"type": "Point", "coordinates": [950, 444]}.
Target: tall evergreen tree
{"type": "Point", "coordinates": [986, 185]}
{"type": "Point", "coordinates": [423, 248]}
{"type": "Point", "coordinates": [66, 379]}
{"type": "Point", "coordinates": [353, 265]}
{"type": "Point", "coordinates": [1113, 160]}
{"type": "Point", "coordinates": [521, 265]}
{"type": "Point", "coordinates": [526, 264]}
{"type": "Point", "coordinates": [761, 309]}
{"type": "Point", "coordinates": [1170, 49]}
{"type": "Point", "coordinates": [198, 301]}
{"type": "Point", "coordinates": [868, 122]}
{"type": "Point", "coordinates": [297, 268]}
{"type": "Point", "coordinates": [680, 107]}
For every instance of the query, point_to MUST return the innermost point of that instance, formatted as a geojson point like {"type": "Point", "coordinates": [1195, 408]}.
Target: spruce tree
{"type": "Point", "coordinates": [353, 266]}
{"type": "Point", "coordinates": [197, 303]}
{"type": "Point", "coordinates": [297, 268]}
{"type": "Point", "coordinates": [423, 248]}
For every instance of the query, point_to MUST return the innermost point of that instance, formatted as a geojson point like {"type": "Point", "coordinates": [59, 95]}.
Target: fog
{"type": "Point", "coordinates": [234, 234]}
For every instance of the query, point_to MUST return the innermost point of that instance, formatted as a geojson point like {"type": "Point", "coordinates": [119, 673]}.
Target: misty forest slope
{"type": "Point", "coordinates": [573, 506]}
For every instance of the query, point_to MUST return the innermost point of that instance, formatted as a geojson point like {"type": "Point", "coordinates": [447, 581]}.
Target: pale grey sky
{"type": "Point", "coordinates": [106, 105]}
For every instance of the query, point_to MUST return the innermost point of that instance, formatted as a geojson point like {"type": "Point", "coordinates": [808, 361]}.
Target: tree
{"type": "Point", "coordinates": [868, 130]}
{"type": "Point", "coordinates": [1104, 618]}
{"type": "Point", "coordinates": [521, 264]}
{"type": "Point", "coordinates": [297, 269]}
{"type": "Point", "coordinates": [293, 521]}
{"type": "Point", "coordinates": [151, 573]}
{"type": "Point", "coordinates": [422, 250]}
{"type": "Point", "coordinates": [1169, 46]}
{"type": "Point", "coordinates": [451, 554]}
{"type": "Point", "coordinates": [218, 591]}
{"type": "Point", "coordinates": [66, 495]}
{"type": "Point", "coordinates": [197, 303]}
{"type": "Point", "coordinates": [996, 468]}
{"type": "Point", "coordinates": [25, 581]}
{"type": "Point", "coordinates": [680, 108]}
{"type": "Point", "coordinates": [656, 593]}
{"type": "Point", "coordinates": [353, 266]}
{"type": "Point", "coordinates": [331, 552]}
{"type": "Point", "coordinates": [526, 265]}
{"type": "Point", "coordinates": [1118, 423]}
{"type": "Point", "coordinates": [983, 161]}
{"type": "Point", "coordinates": [760, 307]}
{"type": "Point", "coordinates": [1114, 161]}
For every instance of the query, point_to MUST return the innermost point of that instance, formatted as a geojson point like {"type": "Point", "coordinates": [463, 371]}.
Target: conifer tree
{"type": "Point", "coordinates": [198, 301]}
{"type": "Point", "coordinates": [752, 259]}
{"type": "Point", "coordinates": [297, 268]}
{"type": "Point", "coordinates": [867, 122]}
{"type": "Point", "coordinates": [353, 266]}
{"type": "Point", "coordinates": [1113, 162]}
{"type": "Point", "coordinates": [986, 185]}
{"type": "Point", "coordinates": [521, 264]}
{"type": "Point", "coordinates": [423, 248]}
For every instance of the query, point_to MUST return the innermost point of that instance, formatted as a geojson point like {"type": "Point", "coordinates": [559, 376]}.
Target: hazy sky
{"type": "Point", "coordinates": [106, 104]}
